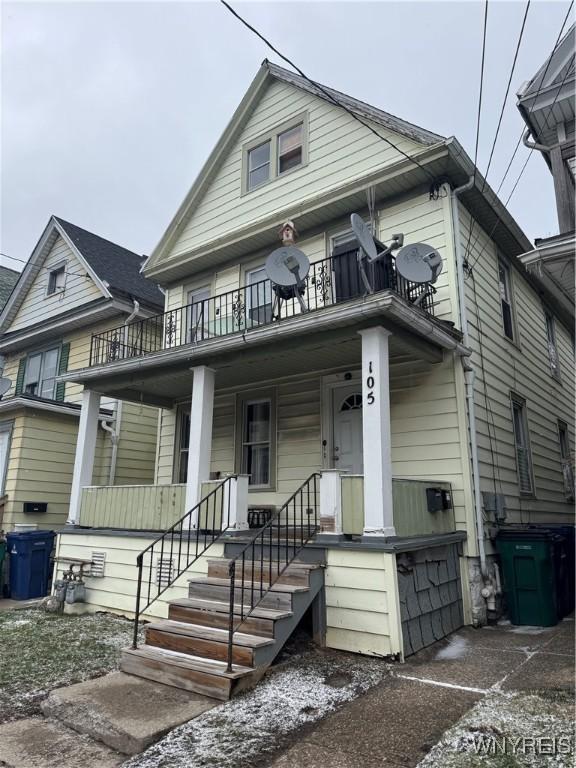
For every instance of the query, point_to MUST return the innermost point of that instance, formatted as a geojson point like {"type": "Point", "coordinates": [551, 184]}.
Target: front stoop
{"type": "Point", "coordinates": [39, 743]}
{"type": "Point", "coordinates": [189, 650]}
{"type": "Point", "coordinates": [116, 710]}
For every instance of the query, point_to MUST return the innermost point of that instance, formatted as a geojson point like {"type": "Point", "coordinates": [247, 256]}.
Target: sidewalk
{"type": "Point", "coordinates": [399, 721]}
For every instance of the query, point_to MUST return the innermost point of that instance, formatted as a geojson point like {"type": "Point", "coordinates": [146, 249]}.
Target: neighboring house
{"type": "Point", "coordinates": [546, 103]}
{"type": "Point", "coordinates": [8, 279]}
{"type": "Point", "coordinates": [74, 285]}
{"type": "Point", "coordinates": [406, 424]}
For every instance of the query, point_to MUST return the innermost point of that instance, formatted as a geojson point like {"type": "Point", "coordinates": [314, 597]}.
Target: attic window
{"type": "Point", "coordinates": [259, 165]}
{"type": "Point", "coordinates": [56, 280]}
{"type": "Point", "coordinates": [290, 149]}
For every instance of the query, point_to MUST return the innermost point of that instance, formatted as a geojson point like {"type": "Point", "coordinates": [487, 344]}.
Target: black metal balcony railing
{"type": "Point", "coordinates": [329, 281]}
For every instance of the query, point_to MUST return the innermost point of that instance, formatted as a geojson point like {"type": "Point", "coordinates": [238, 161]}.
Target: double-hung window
{"type": "Point", "coordinates": [182, 444]}
{"type": "Point", "coordinates": [552, 347]}
{"type": "Point", "coordinates": [56, 280]}
{"type": "Point", "coordinates": [41, 371]}
{"type": "Point", "coordinates": [290, 148]}
{"type": "Point", "coordinates": [505, 285]}
{"type": "Point", "coordinates": [522, 446]}
{"type": "Point", "coordinates": [259, 165]}
{"type": "Point", "coordinates": [256, 447]}
{"type": "Point", "coordinates": [566, 459]}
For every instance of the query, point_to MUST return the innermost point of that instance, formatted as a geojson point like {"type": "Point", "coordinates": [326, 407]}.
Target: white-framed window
{"type": "Point", "coordinates": [56, 280]}
{"type": "Point", "coordinates": [566, 460]}
{"type": "Point", "coordinates": [256, 438]}
{"type": "Point", "coordinates": [182, 444]}
{"type": "Point", "coordinates": [5, 437]}
{"type": "Point", "coordinates": [290, 148]}
{"type": "Point", "coordinates": [197, 311]}
{"type": "Point", "coordinates": [505, 286]}
{"type": "Point", "coordinates": [40, 373]}
{"type": "Point", "coordinates": [258, 296]}
{"type": "Point", "coordinates": [275, 153]}
{"type": "Point", "coordinates": [552, 346]}
{"type": "Point", "coordinates": [522, 446]}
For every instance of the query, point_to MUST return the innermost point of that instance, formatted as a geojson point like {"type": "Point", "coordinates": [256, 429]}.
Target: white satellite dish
{"type": "Point", "coordinates": [419, 263]}
{"type": "Point", "coordinates": [368, 247]}
{"type": "Point", "coordinates": [287, 268]}
{"type": "Point", "coordinates": [5, 385]}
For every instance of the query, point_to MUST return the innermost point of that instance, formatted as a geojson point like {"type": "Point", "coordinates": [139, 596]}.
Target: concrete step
{"type": "Point", "coordinates": [115, 710]}
{"type": "Point", "coordinates": [192, 673]}
{"type": "Point", "coordinates": [214, 613]}
{"type": "Point", "coordinates": [207, 642]}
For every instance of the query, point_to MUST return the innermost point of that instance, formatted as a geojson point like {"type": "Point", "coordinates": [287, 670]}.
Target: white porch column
{"type": "Point", "coordinates": [330, 502]}
{"type": "Point", "coordinates": [377, 450]}
{"type": "Point", "coordinates": [199, 450]}
{"type": "Point", "coordinates": [238, 490]}
{"type": "Point", "coordinates": [85, 450]}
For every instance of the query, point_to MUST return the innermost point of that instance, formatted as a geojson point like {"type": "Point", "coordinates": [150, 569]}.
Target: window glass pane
{"type": "Point", "coordinates": [257, 422]}
{"type": "Point", "coordinates": [184, 441]}
{"type": "Point", "coordinates": [259, 156]}
{"type": "Point", "coordinates": [32, 376]}
{"type": "Point", "coordinates": [259, 176]}
{"type": "Point", "coordinates": [49, 371]}
{"type": "Point", "coordinates": [257, 464]}
{"type": "Point", "coordinates": [290, 149]}
{"type": "Point", "coordinates": [503, 277]}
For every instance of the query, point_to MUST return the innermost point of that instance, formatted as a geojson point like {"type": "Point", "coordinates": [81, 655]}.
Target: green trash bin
{"type": "Point", "coordinates": [529, 576]}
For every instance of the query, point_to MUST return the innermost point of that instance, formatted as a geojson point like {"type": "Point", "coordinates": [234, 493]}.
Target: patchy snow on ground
{"type": "Point", "coordinates": [456, 648]}
{"type": "Point", "coordinates": [510, 730]}
{"type": "Point", "coordinates": [240, 731]}
{"type": "Point", "coordinates": [41, 651]}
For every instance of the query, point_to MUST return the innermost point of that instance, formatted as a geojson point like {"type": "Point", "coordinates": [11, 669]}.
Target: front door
{"type": "Point", "coordinates": [347, 442]}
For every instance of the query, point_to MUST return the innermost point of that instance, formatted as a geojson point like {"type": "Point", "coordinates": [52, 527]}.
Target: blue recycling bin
{"type": "Point", "coordinates": [29, 554]}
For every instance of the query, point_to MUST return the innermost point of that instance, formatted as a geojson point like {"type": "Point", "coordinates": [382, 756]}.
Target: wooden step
{"type": "Point", "coordinates": [214, 613]}
{"type": "Point", "coordinates": [199, 675]}
{"type": "Point", "coordinates": [279, 596]}
{"type": "Point", "coordinates": [296, 573]}
{"type": "Point", "coordinates": [206, 642]}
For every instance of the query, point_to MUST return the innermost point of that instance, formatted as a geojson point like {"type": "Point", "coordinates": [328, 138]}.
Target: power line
{"type": "Point", "coordinates": [323, 90]}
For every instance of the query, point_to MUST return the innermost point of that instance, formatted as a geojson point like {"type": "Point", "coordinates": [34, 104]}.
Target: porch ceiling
{"type": "Point", "coordinates": [166, 385]}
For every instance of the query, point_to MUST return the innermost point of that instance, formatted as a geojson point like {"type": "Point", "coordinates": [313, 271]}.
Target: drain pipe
{"type": "Point", "coordinates": [469, 374]}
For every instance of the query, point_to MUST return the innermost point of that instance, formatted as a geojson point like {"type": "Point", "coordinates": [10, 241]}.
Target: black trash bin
{"type": "Point", "coordinates": [29, 554]}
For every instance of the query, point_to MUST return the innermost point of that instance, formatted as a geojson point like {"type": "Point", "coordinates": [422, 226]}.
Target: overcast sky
{"type": "Point", "coordinates": [110, 109]}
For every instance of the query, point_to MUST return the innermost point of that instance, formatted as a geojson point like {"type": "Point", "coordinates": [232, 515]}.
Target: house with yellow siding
{"type": "Point", "coordinates": [340, 442]}
{"type": "Point", "coordinates": [74, 285]}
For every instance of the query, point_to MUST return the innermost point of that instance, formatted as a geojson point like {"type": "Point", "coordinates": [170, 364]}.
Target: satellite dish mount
{"type": "Point", "coordinates": [368, 250]}
{"type": "Point", "coordinates": [287, 268]}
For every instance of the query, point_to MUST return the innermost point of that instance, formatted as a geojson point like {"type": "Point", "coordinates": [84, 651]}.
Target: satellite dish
{"type": "Point", "coordinates": [419, 263]}
{"type": "Point", "coordinates": [287, 266]}
{"type": "Point", "coordinates": [364, 236]}
{"type": "Point", "coordinates": [5, 385]}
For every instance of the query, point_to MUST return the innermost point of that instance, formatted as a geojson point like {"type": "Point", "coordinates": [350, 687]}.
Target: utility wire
{"type": "Point", "coordinates": [326, 92]}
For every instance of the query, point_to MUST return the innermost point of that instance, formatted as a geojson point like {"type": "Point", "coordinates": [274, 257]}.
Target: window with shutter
{"type": "Point", "coordinates": [62, 368]}
{"type": "Point", "coordinates": [522, 446]}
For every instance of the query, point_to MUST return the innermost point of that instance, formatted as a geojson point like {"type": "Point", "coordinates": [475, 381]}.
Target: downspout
{"type": "Point", "coordinates": [114, 431]}
{"type": "Point", "coordinates": [469, 375]}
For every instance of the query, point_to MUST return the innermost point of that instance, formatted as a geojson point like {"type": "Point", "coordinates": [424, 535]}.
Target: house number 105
{"type": "Point", "coordinates": [370, 384]}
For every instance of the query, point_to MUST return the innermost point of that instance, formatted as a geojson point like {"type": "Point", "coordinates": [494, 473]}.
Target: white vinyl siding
{"type": "Point", "coordinates": [523, 369]}
{"type": "Point", "coordinates": [340, 150]}
{"type": "Point", "coordinates": [39, 305]}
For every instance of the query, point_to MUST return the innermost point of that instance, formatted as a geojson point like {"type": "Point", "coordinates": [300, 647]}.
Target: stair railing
{"type": "Point", "coordinates": [178, 548]}
{"type": "Point", "coordinates": [286, 534]}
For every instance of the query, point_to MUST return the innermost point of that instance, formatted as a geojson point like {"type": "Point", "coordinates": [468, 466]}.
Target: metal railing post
{"type": "Point", "coordinates": [139, 561]}
{"type": "Point", "coordinates": [232, 574]}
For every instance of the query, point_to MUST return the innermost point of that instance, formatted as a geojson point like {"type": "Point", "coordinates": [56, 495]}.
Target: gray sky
{"type": "Point", "coordinates": [110, 109]}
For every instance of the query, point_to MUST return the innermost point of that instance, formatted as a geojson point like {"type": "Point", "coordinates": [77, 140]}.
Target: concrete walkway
{"type": "Point", "coordinates": [399, 721]}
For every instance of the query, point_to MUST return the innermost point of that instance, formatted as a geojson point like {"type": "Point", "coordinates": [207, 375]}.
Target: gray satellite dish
{"type": "Point", "coordinates": [419, 263]}
{"type": "Point", "coordinates": [287, 268]}
{"type": "Point", "coordinates": [368, 247]}
{"type": "Point", "coordinates": [5, 385]}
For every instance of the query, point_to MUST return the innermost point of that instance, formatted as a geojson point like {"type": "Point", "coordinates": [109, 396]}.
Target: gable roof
{"type": "Point", "coordinates": [265, 75]}
{"type": "Point", "coordinates": [118, 267]}
{"type": "Point", "coordinates": [8, 279]}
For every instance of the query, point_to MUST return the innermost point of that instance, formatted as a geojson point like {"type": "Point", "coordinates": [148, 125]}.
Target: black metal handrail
{"type": "Point", "coordinates": [330, 281]}
{"type": "Point", "coordinates": [286, 534]}
{"type": "Point", "coordinates": [181, 545]}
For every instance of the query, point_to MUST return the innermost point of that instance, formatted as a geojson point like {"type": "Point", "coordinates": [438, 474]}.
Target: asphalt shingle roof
{"type": "Point", "coordinates": [8, 279]}
{"type": "Point", "coordinates": [118, 266]}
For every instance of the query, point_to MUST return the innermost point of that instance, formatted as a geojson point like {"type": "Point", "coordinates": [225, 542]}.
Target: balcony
{"type": "Point", "coordinates": [335, 280]}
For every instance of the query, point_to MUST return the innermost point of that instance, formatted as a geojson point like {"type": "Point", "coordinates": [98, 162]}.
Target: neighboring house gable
{"type": "Point", "coordinates": [336, 150]}
{"type": "Point", "coordinates": [8, 279]}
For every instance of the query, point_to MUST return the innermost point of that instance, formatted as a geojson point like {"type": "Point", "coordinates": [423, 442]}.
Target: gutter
{"type": "Point", "coordinates": [469, 374]}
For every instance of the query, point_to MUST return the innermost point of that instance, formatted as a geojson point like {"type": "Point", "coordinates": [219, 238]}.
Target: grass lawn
{"type": "Point", "coordinates": [41, 651]}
